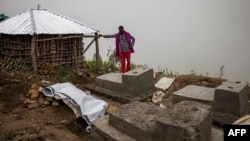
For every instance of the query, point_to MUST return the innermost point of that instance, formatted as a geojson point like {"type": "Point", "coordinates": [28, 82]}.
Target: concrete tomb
{"type": "Point", "coordinates": [187, 120]}
{"type": "Point", "coordinates": [195, 93]}
{"type": "Point", "coordinates": [231, 97]}
{"type": "Point", "coordinates": [133, 84]}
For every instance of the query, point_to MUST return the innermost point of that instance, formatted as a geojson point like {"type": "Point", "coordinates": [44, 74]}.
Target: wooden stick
{"type": "Point", "coordinates": [75, 56]}
{"type": "Point", "coordinates": [13, 42]}
{"type": "Point", "coordinates": [88, 46]}
{"type": "Point", "coordinates": [57, 38]}
{"type": "Point", "coordinates": [97, 52]}
{"type": "Point", "coordinates": [33, 56]}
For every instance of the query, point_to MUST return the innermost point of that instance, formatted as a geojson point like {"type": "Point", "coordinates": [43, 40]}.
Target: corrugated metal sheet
{"type": "Point", "coordinates": [43, 21]}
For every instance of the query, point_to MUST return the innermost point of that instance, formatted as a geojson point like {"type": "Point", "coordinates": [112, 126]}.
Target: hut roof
{"type": "Point", "coordinates": [43, 21]}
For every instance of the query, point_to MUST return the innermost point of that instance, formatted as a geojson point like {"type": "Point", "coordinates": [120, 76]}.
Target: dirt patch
{"type": "Point", "coordinates": [17, 122]}
{"type": "Point", "coordinates": [184, 80]}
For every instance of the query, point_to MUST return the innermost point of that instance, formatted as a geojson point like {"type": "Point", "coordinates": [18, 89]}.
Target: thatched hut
{"type": "Point", "coordinates": [40, 35]}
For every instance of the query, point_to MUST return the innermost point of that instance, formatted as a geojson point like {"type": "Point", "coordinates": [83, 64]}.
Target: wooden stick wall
{"type": "Point", "coordinates": [57, 50]}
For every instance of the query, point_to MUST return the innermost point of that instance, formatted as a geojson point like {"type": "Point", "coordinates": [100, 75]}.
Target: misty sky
{"type": "Point", "coordinates": [180, 35]}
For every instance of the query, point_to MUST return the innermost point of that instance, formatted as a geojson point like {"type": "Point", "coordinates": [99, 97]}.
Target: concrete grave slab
{"type": "Point", "coordinates": [187, 121]}
{"type": "Point", "coordinates": [136, 84]}
{"type": "Point", "coordinates": [217, 134]}
{"type": "Point", "coordinates": [138, 81]}
{"type": "Point", "coordinates": [102, 131]}
{"type": "Point", "coordinates": [110, 81]}
{"type": "Point", "coordinates": [194, 93]}
{"type": "Point", "coordinates": [139, 121]}
{"type": "Point", "coordinates": [231, 97]}
{"type": "Point", "coordinates": [136, 119]}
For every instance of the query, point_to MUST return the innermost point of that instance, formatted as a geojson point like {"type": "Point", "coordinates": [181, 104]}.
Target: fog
{"type": "Point", "coordinates": [180, 35]}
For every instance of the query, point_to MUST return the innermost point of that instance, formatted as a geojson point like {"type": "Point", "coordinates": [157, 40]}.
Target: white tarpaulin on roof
{"type": "Point", "coordinates": [43, 21]}
{"type": "Point", "coordinates": [86, 106]}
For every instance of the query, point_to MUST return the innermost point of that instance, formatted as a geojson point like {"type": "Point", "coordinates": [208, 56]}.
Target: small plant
{"type": "Point", "coordinates": [66, 75]}
{"type": "Point", "coordinates": [170, 73]}
{"type": "Point", "coordinates": [134, 66]}
{"type": "Point", "coordinates": [222, 71]}
{"type": "Point", "coordinates": [177, 74]}
{"type": "Point", "coordinates": [90, 65]}
{"type": "Point", "coordinates": [167, 72]}
{"type": "Point", "coordinates": [192, 72]}
{"type": "Point", "coordinates": [25, 68]}
{"type": "Point", "coordinates": [113, 62]}
{"type": "Point", "coordinates": [207, 73]}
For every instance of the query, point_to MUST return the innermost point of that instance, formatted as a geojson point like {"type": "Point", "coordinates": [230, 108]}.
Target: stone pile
{"type": "Point", "coordinates": [37, 99]}
{"type": "Point", "coordinates": [45, 69]}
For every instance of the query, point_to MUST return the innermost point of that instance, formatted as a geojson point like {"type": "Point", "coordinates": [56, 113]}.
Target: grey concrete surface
{"type": "Point", "coordinates": [135, 119]}
{"type": "Point", "coordinates": [110, 81]}
{"type": "Point", "coordinates": [102, 131]}
{"type": "Point", "coordinates": [194, 93]}
{"type": "Point", "coordinates": [231, 97]}
{"type": "Point", "coordinates": [188, 121]}
{"type": "Point", "coordinates": [217, 134]}
{"type": "Point", "coordinates": [138, 81]}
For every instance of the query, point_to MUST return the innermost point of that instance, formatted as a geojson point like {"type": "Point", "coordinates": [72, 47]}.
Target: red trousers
{"type": "Point", "coordinates": [125, 58]}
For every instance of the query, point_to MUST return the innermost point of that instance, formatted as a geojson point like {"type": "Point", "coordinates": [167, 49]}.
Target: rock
{"type": "Point", "coordinates": [46, 82]}
{"type": "Point", "coordinates": [19, 117]}
{"type": "Point", "coordinates": [40, 101]}
{"type": "Point", "coordinates": [205, 84]}
{"type": "Point", "coordinates": [50, 99]}
{"type": "Point", "coordinates": [57, 97]}
{"type": "Point", "coordinates": [28, 101]}
{"type": "Point", "coordinates": [46, 102]}
{"type": "Point", "coordinates": [64, 121]}
{"type": "Point", "coordinates": [55, 104]}
{"type": "Point", "coordinates": [50, 122]}
{"type": "Point", "coordinates": [33, 94]}
{"type": "Point", "coordinates": [33, 105]}
{"type": "Point", "coordinates": [162, 106]}
{"type": "Point", "coordinates": [158, 96]}
{"type": "Point", "coordinates": [34, 86]}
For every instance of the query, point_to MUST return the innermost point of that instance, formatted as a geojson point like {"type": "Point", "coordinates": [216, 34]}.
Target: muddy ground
{"type": "Point", "coordinates": [58, 123]}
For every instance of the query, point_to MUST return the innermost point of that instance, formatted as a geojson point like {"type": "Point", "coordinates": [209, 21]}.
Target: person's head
{"type": "Point", "coordinates": [121, 29]}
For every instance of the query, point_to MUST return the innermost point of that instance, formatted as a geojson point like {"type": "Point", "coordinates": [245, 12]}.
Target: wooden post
{"type": "Point", "coordinates": [33, 54]}
{"type": "Point", "coordinates": [97, 52]}
{"type": "Point", "coordinates": [75, 56]}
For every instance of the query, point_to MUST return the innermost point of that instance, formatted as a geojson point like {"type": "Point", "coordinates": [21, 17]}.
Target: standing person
{"type": "Point", "coordinates": [124, 47]}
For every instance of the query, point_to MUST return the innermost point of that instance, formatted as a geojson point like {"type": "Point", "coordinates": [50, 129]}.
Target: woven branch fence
{"type": "Point", "coordinates": [56, 50]}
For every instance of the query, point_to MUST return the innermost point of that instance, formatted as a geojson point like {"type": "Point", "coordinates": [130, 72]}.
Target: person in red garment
{"type": "Point", "coordinates": [124, 47]}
